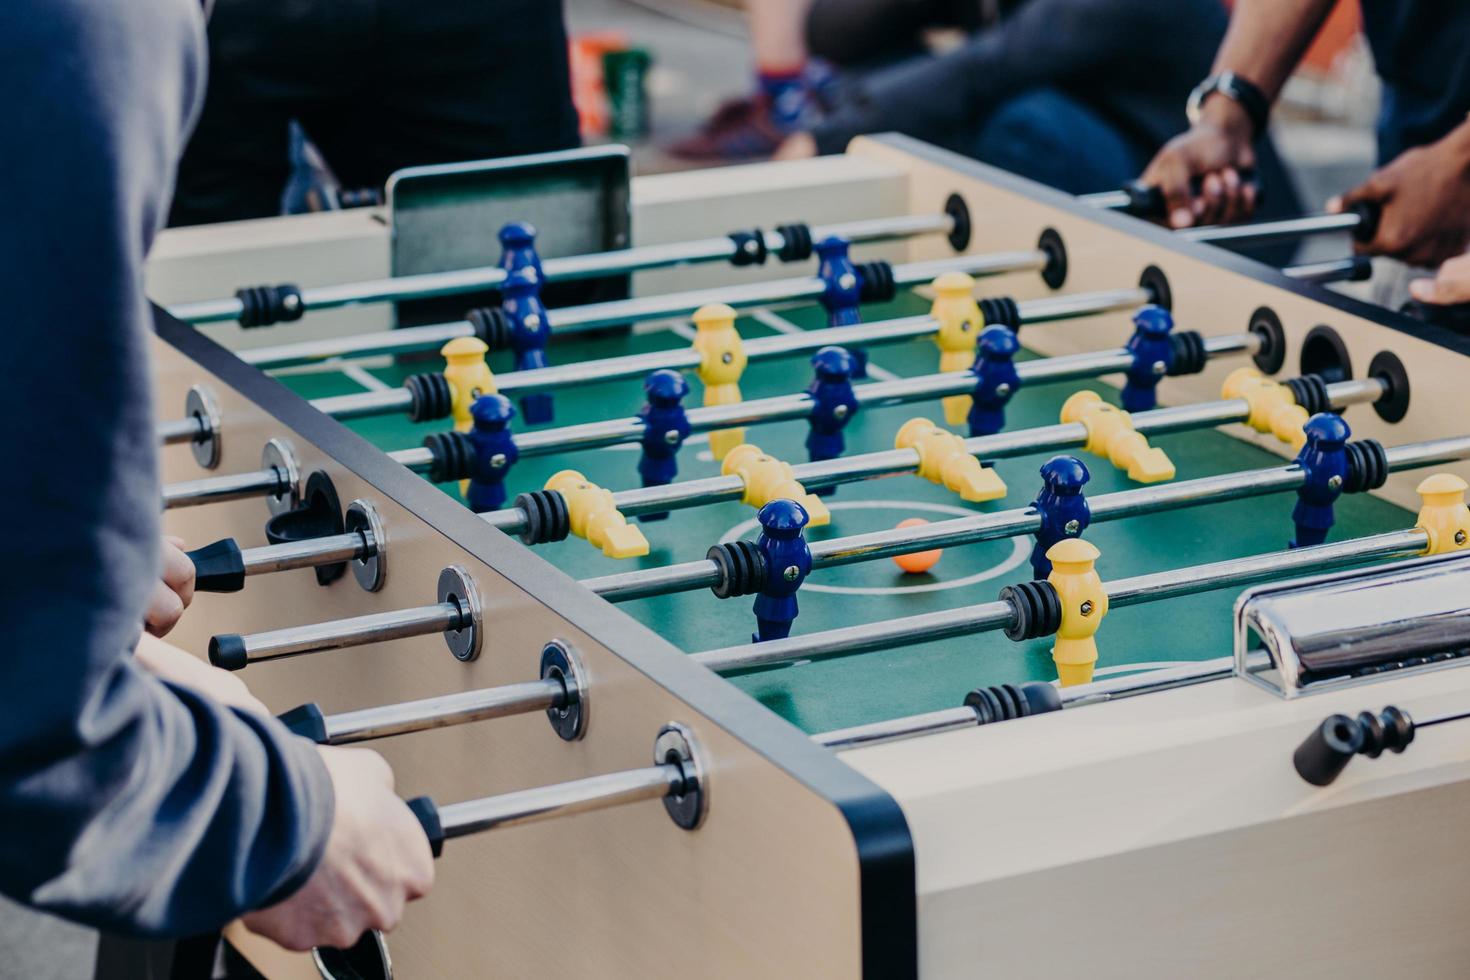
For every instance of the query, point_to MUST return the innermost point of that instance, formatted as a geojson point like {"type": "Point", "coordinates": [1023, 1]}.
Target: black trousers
{"type": "Point", "coordinates": [378, 85]}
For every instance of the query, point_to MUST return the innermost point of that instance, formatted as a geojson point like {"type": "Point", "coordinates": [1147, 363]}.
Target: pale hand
{"type": "Point", "coordinates": [180, 667]}
{"type": "Point", "coordinates": [173, 592]}
{"type": "Point", "coordinates": [1451, 285]}
{"type": "Point", "coordinates": [377, 860]}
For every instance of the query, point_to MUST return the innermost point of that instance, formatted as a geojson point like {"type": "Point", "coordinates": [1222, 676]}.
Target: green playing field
{"type": "Point", "coordinates": [844, 691]}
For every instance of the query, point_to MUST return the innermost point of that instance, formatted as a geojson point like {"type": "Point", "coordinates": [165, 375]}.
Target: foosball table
{"type": "Point", "coordinates": [901, 611]}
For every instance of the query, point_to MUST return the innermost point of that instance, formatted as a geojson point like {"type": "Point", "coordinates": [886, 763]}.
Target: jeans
{"type": "Point", "coordinates": [1048, 136]}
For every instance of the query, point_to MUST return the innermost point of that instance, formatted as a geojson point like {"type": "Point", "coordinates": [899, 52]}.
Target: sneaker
{"type": "Point", "coordinates": [740, 129]}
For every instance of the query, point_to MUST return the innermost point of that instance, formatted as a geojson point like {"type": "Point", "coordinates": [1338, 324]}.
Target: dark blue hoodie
{"type": "Point", "coordinates": [125, 803]}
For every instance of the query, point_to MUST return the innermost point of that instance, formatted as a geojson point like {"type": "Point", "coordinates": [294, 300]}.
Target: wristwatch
{"type": "Point", "coordinates": [1245, 94]}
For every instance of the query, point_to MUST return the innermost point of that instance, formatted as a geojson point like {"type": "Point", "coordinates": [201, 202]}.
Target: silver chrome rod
{"type": "Point", "coordinates": [430, 285]}
{"type": "Point", "coordinates": [611, 432]}
{"type": "Point", "coordinates": [925, 628]}
{"type": "Point", "coordinates": [848, 640]}
{"type": "Point", "coordinates": [1106, 200]}
{"type": "Point", "coordinates": [573, 319]}
{"type": "Point", "coordinates": [1243, 571]}
{"type": "Point", "coordinates": [443, 711]}
{"type": "Point", "coordinates": [895, 462]}
{"type": "Point", "coordinates": [339, 633]}
{"type": "Point", "coordinates": [180, 431]}
{"type": "Point", "coordinates": [1260, 231]}
{"type": "Point", "coordinates": [1080, 695]}
{"type": "Point", "coordinates": [896, 729]}
{"type": "Point", "coordinates": [1051, 309]}
{"type": "Point", "coordinates": [560, 799]}
{"type": "Point", "coordinates": [310, 553]}
{"type": "Point", "coordinates": [876, 545]}
{"type": "Point", "coordinates": [1357, 268]}
{"type": "Point", "coordinates": [217, 489]}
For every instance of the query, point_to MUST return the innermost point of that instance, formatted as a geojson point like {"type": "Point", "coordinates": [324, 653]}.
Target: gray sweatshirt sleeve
{"type": "Point", "coordinates": [125, 803]}
{"type": "Point", "coordinates": [1044, 42]}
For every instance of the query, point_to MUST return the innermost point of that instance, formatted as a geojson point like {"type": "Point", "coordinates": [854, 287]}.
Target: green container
{"type": "Point", "coordinates": [625, 74]}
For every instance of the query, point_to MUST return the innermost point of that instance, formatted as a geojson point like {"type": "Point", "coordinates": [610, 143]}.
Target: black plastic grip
{"type": "Point", "coordinates": [1038, 609]}
{"type": "Point", "coordinates": [1325, 753]}
{"type": "Point", "coordinates": [227, 651]}
{"type": "Point", "coordinates": [428, 816]}
{"type": "Point", "coordinates": [218, 567]}
{"type": "Point", "coordinates": [1451, 316]}
{"type": "Point", "coordinates": [749, 248]}
{"type": "Point", "coordinates": [1369, 214]}
{"type": "Point", "coordinates": [492, 325]}
{"type": "Point", "coordinates": [1149, 202]}
{"type": "Point", "coordinates": [263, 306]}
{"type": "Point", "coordinates": [307, 721]}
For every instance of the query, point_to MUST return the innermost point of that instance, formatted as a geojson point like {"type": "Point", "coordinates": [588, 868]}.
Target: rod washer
{"type": "Point", "coordinates": [363, 518]}
{"type": "Point", "coordinates": [676, 744]}
{"type": "Point", "coordinates": [559, 659]}
{"type": "Point", "coordinates": [279, 456]}
{"type": "Point", "coordinates": [455, 585]}
{"type": "Point", "coordinates": [200, 404]}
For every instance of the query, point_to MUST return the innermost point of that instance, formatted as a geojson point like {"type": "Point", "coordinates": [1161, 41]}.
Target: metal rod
{"type": "Point", "coordinates": [217, 489]}
{"type": "Point", "coordinates": [1140, 589]}
{"type": "Point", "coordinates": [573, 319]}
{"type": "Point", "coordinates": [179, 431]}
{"type": "Point", "coordinates": [1441, 719]}
{"type": "Point", "coordinates": [561, 799]}
{"type": "Point", "coordinates": [928, 627]}
{"type": "Point", "coordinates": [894, 462]}
{"type": "Point", "coordinates": [1260, 231]}
{"type": "Point", "coordinates": [368, 403]}
{"type": "Point", "coordinates": [311, 553]}
{"type": "Point", "coordinates": [435, 284]}
{"type": "Point", "coordinates": [876, 545]}
{"type": "Point", "coordinates": [893, 730]}
{"type": "Point", "coordinates": [339, 633]}
{"type": "Point", "coordinates": [1081, 695]}
{"type": "Point", "coordinates": [611, 432]}
{"type": "Point", "coordinates": [1106, 200]}
{"type": "Point", "coordinates": [1356, 268]}
{"type": "Point", "coordinates": [443, 711]}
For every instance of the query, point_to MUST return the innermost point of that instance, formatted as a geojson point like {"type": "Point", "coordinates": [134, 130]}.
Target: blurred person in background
{"type": "Point", "coordinates": [788, 94]}
{"type": "Point", "coordinates": [376, 85]}
{"type": "Point", "coordinates": [1421, 49]}
{"type": "Point", "coordinates": [1077, 94]}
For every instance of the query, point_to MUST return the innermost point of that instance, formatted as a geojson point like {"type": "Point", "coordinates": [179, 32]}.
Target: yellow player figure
{"type": "Point", "coordinates": [767, 479]}
{"type": "Point", "coordinates": [1444, 516]}
{"type": "Point", "coordinates": [722, 362]}
{"type": "Point", "coordinates": [1273, 407]}
{"type": "Point", "coordinates": [944, 460]}
{"type": "Point", "coordinates": [1110, 434]}
{"type": "Point", "coordinates": [1084, 604]}
{"type": "Point", "coordinates": [594, 517]}
{"type": "Point", "coordinates": [468, 375]}
{"type": "Point", "coordinates": [960, 322]}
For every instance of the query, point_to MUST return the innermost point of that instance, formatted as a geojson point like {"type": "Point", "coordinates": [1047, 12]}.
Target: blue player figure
{"type": "Point", "coordinates": [518, 248]}
{"type": "Point", "coordinates": [1324, 461]}
{"type": "Point", "coordinates": [1153, 355]}
{"type": "Point", "coordinates": [665, 427]}
{"type": "Point", "coordinates": [844, 287]}
{"type": "Point", "coordinates": [996, 379]}
{"type": "Point", "coordinates": [788, 562]}
{"type": "Point", "coordinates": [495, 452]}
{"type": "Point", "coordinates": [529, 332]}
{"type": "Point", "coordinates": [833, 405]}
{"type": "Point", "coordinates": [1062, 506]}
